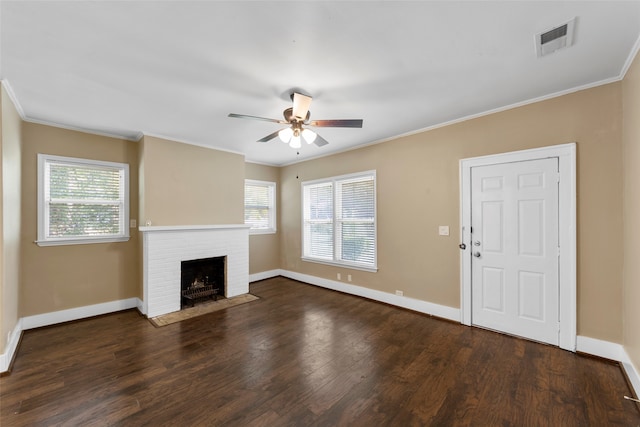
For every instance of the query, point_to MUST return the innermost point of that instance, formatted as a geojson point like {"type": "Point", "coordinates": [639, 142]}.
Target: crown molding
{"type": "Point", "coordinates": [7, 87]}
{"type": "Point", "coordinates": [466, 118]}
{"type": "Point", "coordinates": [184, 141]}
{"type": "Point", "coordinates": [139, 135]}
{"type": "Point", "coordinates": [133, 137]}
{"type": "Point", "coordinates": [24, 117]}
{"type": "Point", "coordinates": [630, 58]}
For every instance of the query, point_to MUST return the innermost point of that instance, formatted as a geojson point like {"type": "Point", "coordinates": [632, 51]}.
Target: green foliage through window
{"type": "Point", "coordinates": [82, 199]}
{"type": "Point", "coordinates": [259, 206]}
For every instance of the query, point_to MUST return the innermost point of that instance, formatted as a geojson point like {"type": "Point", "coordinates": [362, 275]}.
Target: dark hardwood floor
{"type": "Point", "coordinates": [303, 356]}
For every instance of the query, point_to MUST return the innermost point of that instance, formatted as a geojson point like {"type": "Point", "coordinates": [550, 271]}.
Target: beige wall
{"type": "Point", "coordinates": [179, 184]}
{"type": "Point", "coordinates": [10, 217]}
{"type": "Point", "coordinates": [264, 249]}
{"type": "Point", "coordinates": [418, 189]}
{"type": "Point", "coordinates": [189, 185]}
{"type": "Point", "coordinates": [62, 277]}
{"type": "Point", "coordinates": [631, 156]}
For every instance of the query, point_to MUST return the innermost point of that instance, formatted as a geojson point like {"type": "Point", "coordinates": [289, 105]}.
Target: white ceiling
{"type": "Point", "coordinates": [175, 69]}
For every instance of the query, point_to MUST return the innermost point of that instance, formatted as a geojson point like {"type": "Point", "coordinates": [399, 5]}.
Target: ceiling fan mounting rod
{"type": "Point", "coordinates": [297, 127]}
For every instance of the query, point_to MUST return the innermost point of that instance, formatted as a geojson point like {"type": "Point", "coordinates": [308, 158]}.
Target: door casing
{"type": "Point", "coordinates": [566, 154]}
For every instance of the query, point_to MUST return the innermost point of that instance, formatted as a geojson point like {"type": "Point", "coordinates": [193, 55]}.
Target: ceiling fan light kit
{"type": "Point", "coordinates": [291, 135]}
{"type": "Point", "coordinates": [285, 135]}
{"type": "Point", "coordinates": [297, 116]}
{"type": "Point", "coordinates": [295, 142]}
{"type": "Point", "coordinates": [309, 136]}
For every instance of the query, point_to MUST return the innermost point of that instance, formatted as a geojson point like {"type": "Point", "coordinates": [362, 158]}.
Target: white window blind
{"type": "Point", "coordinates": [339, 216]}
{"type": "Point", "coordinates": [318, 221]}
{"type": "Point", "coordinates": [260, 206]}
{"type": "Point", "coordinates": [81, 201]}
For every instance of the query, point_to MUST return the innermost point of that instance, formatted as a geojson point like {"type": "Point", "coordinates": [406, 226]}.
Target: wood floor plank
{"type": "Point", "coordinates": [303, 356]}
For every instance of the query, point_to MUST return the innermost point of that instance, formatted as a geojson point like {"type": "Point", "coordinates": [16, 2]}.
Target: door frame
{"type": "Point", "coordinates": [566, 154]}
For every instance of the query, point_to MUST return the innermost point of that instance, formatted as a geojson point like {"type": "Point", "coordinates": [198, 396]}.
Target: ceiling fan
{"type": "Point", "coordinates": [297, 118]}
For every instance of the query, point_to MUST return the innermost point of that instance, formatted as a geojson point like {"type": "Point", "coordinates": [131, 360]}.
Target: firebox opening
{"type": "Point", "coordinates": [201, 280]}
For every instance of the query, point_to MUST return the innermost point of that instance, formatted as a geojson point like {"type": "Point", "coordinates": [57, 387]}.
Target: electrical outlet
{"type": "Point", "coordinates": [400, 293]}
{"type": "Point", "coordinates": [339, 276]}
{"type": "Point", "coordinates": [348, 277]}
{"type": "Point", "coordinates": [443, 230]}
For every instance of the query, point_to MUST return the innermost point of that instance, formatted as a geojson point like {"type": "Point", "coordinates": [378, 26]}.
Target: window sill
{"type": "Point", "coordinates": [86, 241]}
{"type": "Point", "coordinates": [267, 231]}
{"type": "Point", "coordinates": [344, 264]}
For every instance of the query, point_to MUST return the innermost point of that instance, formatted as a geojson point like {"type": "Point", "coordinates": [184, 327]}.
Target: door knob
{"type": "Point", "coordinates": [462, 246]}
{"type": "Point", "coordinates": [477, 254]}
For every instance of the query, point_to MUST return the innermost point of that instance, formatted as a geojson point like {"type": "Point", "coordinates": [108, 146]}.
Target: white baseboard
{"type": "Point", "coordinates": [142, 307]}
{"type": "Point", "coordinates": [47, 319]}
{"type": "Point", "coordinates": [61, 316]}
{"type": "Point", "coordinates": [633, 375]}
{"type": "Point", "coordinates": [600, 348]}
{"type": "Point", "coordinates": [425, 307]}
{"type": "Point", "coordinates": [12, 347]}
{"type": "Point", "coordinates": [584, 344]}
{"type": "Point", "coordinates": [264, 275]}
{"type": "Point", "coordinates": [592, 346]}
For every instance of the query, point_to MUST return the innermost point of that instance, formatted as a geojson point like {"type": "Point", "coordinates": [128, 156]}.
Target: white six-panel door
{"type": "Point", "coordinates": [514, 236]}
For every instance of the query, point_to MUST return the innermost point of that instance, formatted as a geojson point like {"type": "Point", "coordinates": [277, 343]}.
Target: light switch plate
{"type": "Point", "coordinates": [443, 230]}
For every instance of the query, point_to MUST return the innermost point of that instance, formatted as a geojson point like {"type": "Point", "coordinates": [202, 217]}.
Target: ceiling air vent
{"type": "Point", "coordinates": [555, 39]}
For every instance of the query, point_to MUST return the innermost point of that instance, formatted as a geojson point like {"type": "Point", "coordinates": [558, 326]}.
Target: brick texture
{"type": "Point", "coordinates": [165, 249]}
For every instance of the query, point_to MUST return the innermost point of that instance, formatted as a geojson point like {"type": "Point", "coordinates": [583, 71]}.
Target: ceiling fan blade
{"type": "Point", "coordinates": [269, 137]}
{"type": "Point", "coordinates": [264, 119]}
{"type": "Point", "coordinates": [301, 105]}
{"type": "Point", "coordinates": [320, 141]}
{"type": "Point", "coordinates": [348, 123]}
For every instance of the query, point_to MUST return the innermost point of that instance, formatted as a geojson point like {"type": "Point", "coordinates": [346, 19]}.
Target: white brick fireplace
{"type": "Point", "coordinates": [165, 247]}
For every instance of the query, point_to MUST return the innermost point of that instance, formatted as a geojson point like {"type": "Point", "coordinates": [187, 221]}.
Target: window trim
{"type": "Point", "coordinates": [272, 209]}
{"type": "Point", "coordinates": [43, 240]}
{"type": "Point", "coordinates": [336, 262]}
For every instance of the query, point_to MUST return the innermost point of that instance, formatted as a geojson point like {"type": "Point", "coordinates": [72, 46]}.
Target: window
{"type": "Point", "coordinates": [339, 220]}
{"type": "Point", "coordinates": [82, 201]}
{"type": "Point", "coordinates": [260, 206]}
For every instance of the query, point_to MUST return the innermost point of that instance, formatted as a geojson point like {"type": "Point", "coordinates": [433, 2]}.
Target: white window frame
{"type": "Point", "coordinates": [43, 211]}
{"type": "Point", "coordinates": [336, 221]}
{"type": "Point", "coordinates": [272, 228]}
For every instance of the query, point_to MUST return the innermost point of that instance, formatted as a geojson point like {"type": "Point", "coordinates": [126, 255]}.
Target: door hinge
{"type": "Point", "coordinates": [558, 250]}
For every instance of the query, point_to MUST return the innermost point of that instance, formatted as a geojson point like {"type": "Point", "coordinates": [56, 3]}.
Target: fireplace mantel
{"type": "Point", "coordinates": [191, 227]}
{"type": "Point", "coordinates": [165, 247]}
